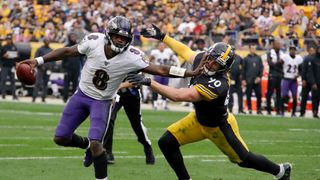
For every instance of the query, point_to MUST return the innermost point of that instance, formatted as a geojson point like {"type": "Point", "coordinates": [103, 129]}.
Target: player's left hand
{"type": "Point", "coordinates": [152, 32]}
{"type": "Point", "coordinates": [138, 79]}
{"type": "Point", "coordinates": [200, 67]}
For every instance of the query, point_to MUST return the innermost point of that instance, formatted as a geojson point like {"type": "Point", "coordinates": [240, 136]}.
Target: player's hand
{"type": "Point", "coordinates": [31, 62]}
{"type": "Point", "coordinates": [152, 32]}
{"type": "Point", "coordinates": [138, 79]}
{"type": "Point", "coordinates": [201, 65]}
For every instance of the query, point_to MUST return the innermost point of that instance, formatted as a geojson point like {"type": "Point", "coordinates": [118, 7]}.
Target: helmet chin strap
{"type": "Point", "coordinates": [208, 72]}
{"type": "Point", "coordinates": [116, 49]}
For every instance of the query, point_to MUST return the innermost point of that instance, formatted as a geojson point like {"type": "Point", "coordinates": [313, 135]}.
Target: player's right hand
{"type": "Point", "coordinates": [33, 63]}
{"type": "Point", "coordinates": [152, 32]}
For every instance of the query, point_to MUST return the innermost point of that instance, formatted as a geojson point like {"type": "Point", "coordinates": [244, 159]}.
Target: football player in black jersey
{"type": "Point", "coordinates": [210, 120]}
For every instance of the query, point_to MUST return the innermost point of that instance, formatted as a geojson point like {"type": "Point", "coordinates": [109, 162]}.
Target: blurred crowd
{"type": "Point", "coordinates": [236, 21]}
{"type": "Point", "coordinates": [248, 25]}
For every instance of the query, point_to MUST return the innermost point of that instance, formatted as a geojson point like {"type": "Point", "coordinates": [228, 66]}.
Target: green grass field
{"type": "Point", "coordinates": [27, 151]}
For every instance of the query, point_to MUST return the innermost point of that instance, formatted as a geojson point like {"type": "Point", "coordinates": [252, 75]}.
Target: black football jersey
{"type": "Point", "coordinates": [211, 111]}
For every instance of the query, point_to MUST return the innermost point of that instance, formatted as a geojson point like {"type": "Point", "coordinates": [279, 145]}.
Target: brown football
{"type": "Point", "coordinates": [26, 74]}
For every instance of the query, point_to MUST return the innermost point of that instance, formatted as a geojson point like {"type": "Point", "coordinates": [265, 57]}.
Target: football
{"type": "Point", "coordinates": [26, 74]}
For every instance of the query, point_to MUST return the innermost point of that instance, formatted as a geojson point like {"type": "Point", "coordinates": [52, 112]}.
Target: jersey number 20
{"type": "Point", "coordinates": [100, 79]}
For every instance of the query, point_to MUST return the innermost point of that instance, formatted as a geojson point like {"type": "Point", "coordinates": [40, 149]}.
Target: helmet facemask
{"type": "Point", "coordinates": [118, 48]}
{"type": "Point", "coordinates": [222, 54]}
{"type": "Point", "coordinates": [119, 26]}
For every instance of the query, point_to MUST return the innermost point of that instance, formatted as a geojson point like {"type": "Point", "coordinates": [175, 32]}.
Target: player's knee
{"type": "Point", "coordinates": [168, 141]}
{"type": "Point", "coordinates": [61, 141]}
{"type": "Point", "coordinates": [96, 148]}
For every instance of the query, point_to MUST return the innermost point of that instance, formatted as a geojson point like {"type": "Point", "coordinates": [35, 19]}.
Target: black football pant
{"type": "Point", "coordinates": [304, 97]}
{"type": "Point", "coordinates": [274, 84]}
{"type": "Point", "coordinates": [236, 88]}
{"type": "Point", "coordinates": [41, 83]}
{"type": "Point", "coordinates": [70, 77]}
{"type": "Point", "coordinates": [131, 105]}
{"type": "Point", "coordinates": [257, 91]}
{"type": "Point", "coordinates": [7, 71]}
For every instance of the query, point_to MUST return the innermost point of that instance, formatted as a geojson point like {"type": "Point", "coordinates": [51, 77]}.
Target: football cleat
{"type": "Point", "coordinates": [149, 155]}
{"type": "Point", "coordinates": [87, 160]}
{"type": "Point", "coordinates": [287, 171]}
{"type": "Point", "coordinates": [110, 158]}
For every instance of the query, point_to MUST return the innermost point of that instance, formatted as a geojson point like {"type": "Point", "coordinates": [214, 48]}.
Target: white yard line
{"type": "Point", "coordinates": [28, 112]}
{"type": "Point", "coordinates": [12, 145]}
{"type": "Point", "coordinates": [203, 157]}
{"type": "Point", "coordinates": [305, 130]}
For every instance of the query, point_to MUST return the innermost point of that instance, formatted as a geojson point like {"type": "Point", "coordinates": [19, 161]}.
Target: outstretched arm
{"type": "Point", "coordinates": [182, 94]}
{"type": "Point", "coordinates": [55, 55]}
{"type": "Point", "coordinates": [181, 49]}
{"type": "Point", "coordinates": [173, 71]}
{"type": "Point", "coordinates": [175, 94]}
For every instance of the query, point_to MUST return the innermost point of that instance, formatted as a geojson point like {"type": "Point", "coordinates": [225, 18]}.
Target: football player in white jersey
{"type": "Point", "coordinates": [109, 59]}
{"type": "Point", "coordinates": [289, 81]}
{"type": "Point", "coordinates": [162, 56]}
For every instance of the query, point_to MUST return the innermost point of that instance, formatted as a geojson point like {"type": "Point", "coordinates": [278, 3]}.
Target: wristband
{"type": "Point", "coordinates": [39, 60]}
{"type": "Point", "coordinates": [176, 71]}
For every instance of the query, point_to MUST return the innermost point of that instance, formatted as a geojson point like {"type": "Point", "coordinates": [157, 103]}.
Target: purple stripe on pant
{"type": "Point", "coordinates": [79, 107]}
{"type": "Point", "coordinates": [289, 85]}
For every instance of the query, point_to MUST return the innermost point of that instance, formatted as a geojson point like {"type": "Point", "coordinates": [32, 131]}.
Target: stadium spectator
{"type": "Point", "coordinates": [208, 92]}
{"type": "Point", "coordinates": [161, 56]}
{"type": "Point", "coordinates": [43, 72]}
{"type": "Point", "coordinates": [236, 76]}
{"type": "Point", "coordinates": [307, 84]}
{"type": "Point", "coordinates": [315, 79]}
{"type": "Point", "coordinates": [275, 75]}
{"type": "Point", "coordinates": [71, 67]}
{"type": "Point", "coordinates": [291, 69]}
{"type": "Point", "coordinates": [252, 76]}
{"type": "Point", "coordinates": [9, 56]}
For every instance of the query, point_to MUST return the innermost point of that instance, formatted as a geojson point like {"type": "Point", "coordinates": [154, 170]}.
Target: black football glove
{"type": "Point", "coordinates": [152, 32]}
{"type": "Point", "coordinates": [138, 80]}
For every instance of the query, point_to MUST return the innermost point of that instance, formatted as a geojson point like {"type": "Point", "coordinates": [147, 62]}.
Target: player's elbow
{"type": "Point", "coordinates": [177, 97]}
{"type": "Point", "coordinates": [68, 51]}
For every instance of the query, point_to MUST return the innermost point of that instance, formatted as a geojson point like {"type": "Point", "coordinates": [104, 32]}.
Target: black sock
{"type": "Point", "coordinates": [170, 149]}
{"type": "Point", "coordinates": [100, 165]}
{"type": "Point", "coordinates": [260, 163]}
{"type": "Point", "coordinates": [78, 141]}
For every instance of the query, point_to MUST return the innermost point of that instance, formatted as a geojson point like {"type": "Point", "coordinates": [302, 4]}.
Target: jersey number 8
{"type": "Point", "coordinates": [100, 79]}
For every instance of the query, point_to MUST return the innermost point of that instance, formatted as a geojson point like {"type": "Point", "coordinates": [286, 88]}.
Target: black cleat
{"type": "Point", "coordinates": [149, 155]}
{"type": "Point", "coordinates": [87, 161]}
{"type": "Point", "coordinates": [259, 112]}
{"type": "Point", "coordinates": [110, 158]}
{"type": "Point", "coordinates": [287, 171]}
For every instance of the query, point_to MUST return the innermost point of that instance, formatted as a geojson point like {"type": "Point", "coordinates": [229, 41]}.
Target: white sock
{"type": "Point", "coordinates": [88, 143]}
{"type": "Point", "coordinates": [281, 172]}
{"type": "Point", "coordinates": [106, 178]}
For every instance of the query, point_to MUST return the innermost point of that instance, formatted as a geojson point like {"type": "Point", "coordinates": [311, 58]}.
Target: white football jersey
{"type": "Point", "coordinates": [167, 57]}
{"type": "Point", "coordinates": [290, 66]}
{"type": "Point", "coordinates": [101, 77]}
